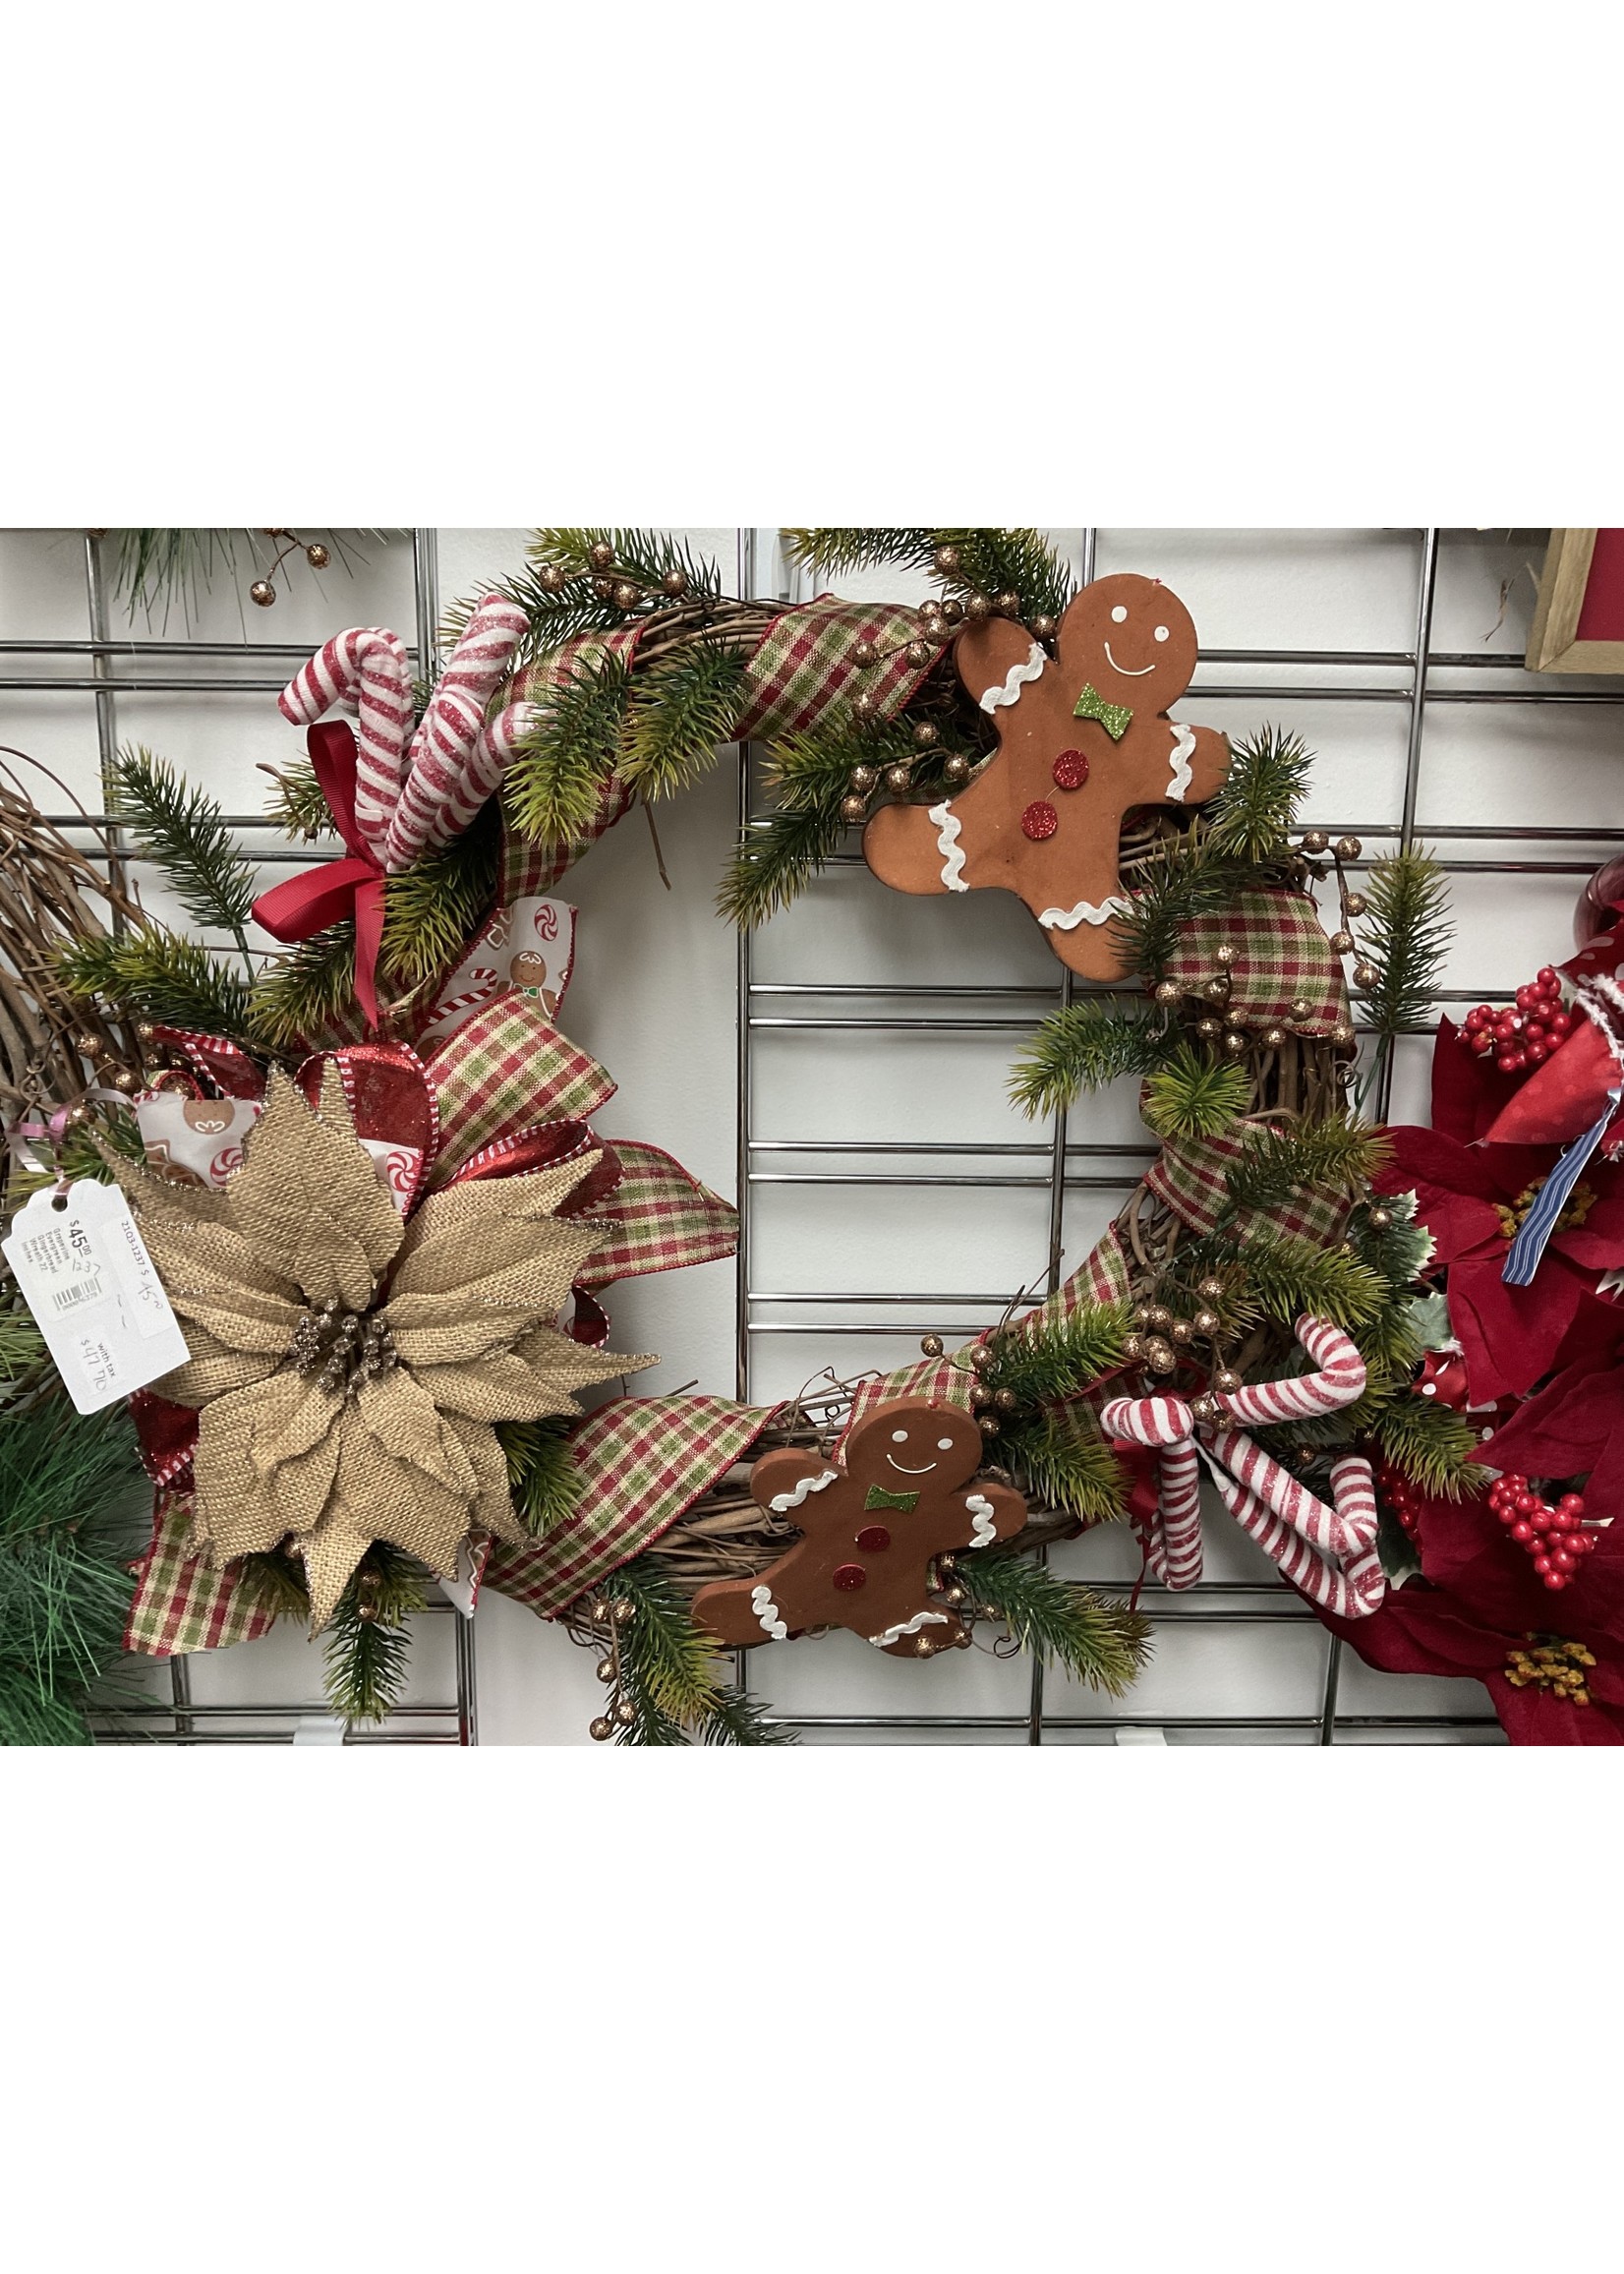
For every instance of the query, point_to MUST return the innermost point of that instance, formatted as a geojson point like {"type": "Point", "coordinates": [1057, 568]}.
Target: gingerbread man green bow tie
{"type": "Point", "coordinates": [1115, 717]}
{"type": "Point", "coordinates": [879, 1497]}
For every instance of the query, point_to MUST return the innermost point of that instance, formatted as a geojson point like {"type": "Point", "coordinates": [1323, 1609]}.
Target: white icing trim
{"type": "Point", "coordinates": [1183, 743]}
{"type": "Point", "coordinates": [767, 1614]}
{"type": "Point", "coordinates": [781, 1502]}
{"type": "Point", "coordinates": [1014, 679]}
{"type": "Point", "coordinates": [981, 1508]}
{"type": "Point", "coordinates": [947, 826]}
{"type": "Point", "coordinates": [1086, 912]}
{"type": "Point", "coordinates": [909, 1626]}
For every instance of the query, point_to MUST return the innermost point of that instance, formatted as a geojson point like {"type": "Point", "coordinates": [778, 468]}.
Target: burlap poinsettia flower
{"type": "Point", "coordinates": [348, 1364]}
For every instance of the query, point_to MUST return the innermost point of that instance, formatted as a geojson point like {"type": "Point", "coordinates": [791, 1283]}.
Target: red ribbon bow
{"type": "Point", "coordinates": [319, 897]}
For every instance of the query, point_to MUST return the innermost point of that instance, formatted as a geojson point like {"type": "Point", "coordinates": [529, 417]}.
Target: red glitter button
{"type": "Point", "coordinates": [1072, 768]}
{"type": "Point", "coordinates": [873, 1537]}
{"type": "Point", "coordinates": [847, 1576]}
{"type": "Point", "coordinates": [1039, 821]}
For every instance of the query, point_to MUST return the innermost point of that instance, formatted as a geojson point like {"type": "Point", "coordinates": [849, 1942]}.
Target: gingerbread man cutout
{"type": "Point", "coordinates": [1082, 739]}
{"type": "Point", "coordinates": [900, 1491]}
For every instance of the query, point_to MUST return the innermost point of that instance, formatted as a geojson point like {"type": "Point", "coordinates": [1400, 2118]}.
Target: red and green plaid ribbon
{"type": "Point", "coordinates": [642, 1463]}
{"type": "Point", "coordinates": [505, 1067]}
{"type": "Point", "coordinates": [664, 1219]}
{"type": "Point", "coordinates": [182, 1605]}
{"type": "Point", "coordinates": [806, 663]}
{"type": "Point", "coordinates": [1282, 958]}
{"type": "Point", "coordinates": [1190, 1177]}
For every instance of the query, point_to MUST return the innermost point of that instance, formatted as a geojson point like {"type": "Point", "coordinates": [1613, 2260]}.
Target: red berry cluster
{"type": "Point", "coordinates": [1555, 1537]}
{"type": "Point", "coordinates": [1401, 1497]}
{"type": "Point", "coordinates": [1520, 1039]}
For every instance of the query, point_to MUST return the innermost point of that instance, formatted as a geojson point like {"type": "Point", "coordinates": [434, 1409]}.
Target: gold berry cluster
{"type": "Point", "coordinates": [1552, 1664]}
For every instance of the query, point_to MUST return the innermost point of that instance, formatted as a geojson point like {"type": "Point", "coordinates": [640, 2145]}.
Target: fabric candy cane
{"type": "Point", "coordinates": [1328, 1552]}
{"type": "Point", "coordinates": [451, 768]}
{"type": "Point", "coordinates": [362, 671]}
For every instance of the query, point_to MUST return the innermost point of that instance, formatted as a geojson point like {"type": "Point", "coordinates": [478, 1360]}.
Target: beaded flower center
{"type": "Point", "coordinates": [341, 1348]}
{"type": "Point", "coordinates": [1551, 1665]}
{"type": "Point", "coordinates": [1581, 1200]}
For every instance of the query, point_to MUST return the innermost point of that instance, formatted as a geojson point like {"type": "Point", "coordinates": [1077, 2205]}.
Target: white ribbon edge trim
{"type": "Point", "coordinates": [909, 1626]}
{"type": "Point", "coordinates": [781, 1502]}
{"type": "Point", "coordinates": [981, 1508]}
{"type": "Point", "coordinates": [768, 1616]}
{"type": "Point", "coordinates": [1183, 743]}
{"type": "Point", "coordinates": [947, 827]}
{"type": "Point", "coordinates": [1086, 912]}
{"type": "Point", "coordinates": [1015, 678]}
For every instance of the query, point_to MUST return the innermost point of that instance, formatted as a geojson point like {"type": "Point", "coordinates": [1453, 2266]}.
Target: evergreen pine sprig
{"type": "Point", "coordinates": [1279, 1275]}
{"type": "Point", "coordinates": [812, 770]}
{"type": "Point", "coordinates": [368, 1659]}
{"type": "Point", "coordinates": [298, 803]}
{"type": "Point", "coordinates": [1332, 1155]}
{"type": "Point", "coordinates": [1193, 1095]}
{"type": "Point", "coordinates": [151, 973]}
{"type": "Point", "coordinates": [1097, 1641]}
{"type": "Point", "coordinates": [777, 861]}
{"type": "Point", "coordinates": [1257, 808]}
{"type": "Point", "coordinates": [563, 761]}
{"type": "Point", "coordinates": [544, 1482]}
{"type": "Point", "coordinates": [1041, 1358]}
{"type": "Point", "coordinates": [671, 1673]}
{"type": "Point", "coordinates": [305, 992]}
{"type": "Point", "coordinates": [682, 709]}
{"type": "Point", "coordinates": [432, 909]}
{"type": "Point", "coordinates": [1021, 562]}
{"type": "Point", "coordinates": [183, 831]}
{"type": "Point", "coordinates": [1434, 1446]}
{"type": "Point", "coordinates": [1084, 1047]}
{"type": "Point", "coordinates": [72, 1513]}
{"type": "Point", "coordinates": [1066, 1461]}
{"type": "Point", "coordinates": [1405, 933]}
{"type": "Point", "coordinates": [277, 1584]}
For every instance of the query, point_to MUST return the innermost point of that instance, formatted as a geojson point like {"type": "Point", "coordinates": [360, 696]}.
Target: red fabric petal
{"type": "Point", "coordinates": [1536, 1717]}
{"type": "Point", "coordinates": [1427, 1155]}
{"type": "Point", "coordinates": [1565, 1096]}
{"type": "Point", "coordinates": [1468, 1091]}
{"type": "Point", "coordinates": [1565, 1428]}
{"type": "Point", "coordinates": [1509, 1335]}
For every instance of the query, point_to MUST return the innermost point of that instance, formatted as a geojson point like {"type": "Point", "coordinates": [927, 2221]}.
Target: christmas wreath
{"type": "Point", "coordinates": [1261, 1309]}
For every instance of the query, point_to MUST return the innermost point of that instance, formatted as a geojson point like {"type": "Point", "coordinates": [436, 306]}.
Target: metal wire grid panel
{"type": "Point", "coordinates": [116, 667]}
{"type": "Point", "coordinates": [1063, 1163]}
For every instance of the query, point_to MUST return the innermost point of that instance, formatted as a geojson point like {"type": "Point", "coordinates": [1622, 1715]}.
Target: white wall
{"type": "Point", "coordinates": [654, 997]}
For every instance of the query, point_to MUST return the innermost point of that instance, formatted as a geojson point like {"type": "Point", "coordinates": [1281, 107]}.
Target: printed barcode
{"type": "Point", "coordinates": [80, 1291]}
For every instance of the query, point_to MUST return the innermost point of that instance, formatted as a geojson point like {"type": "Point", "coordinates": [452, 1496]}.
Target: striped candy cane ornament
{"type": "Point", "coordinates": [1328, 1552]}
{"type": "Point", "coordinates": [452, 766]}
{"type": "Point", "coordinates": [362, 671]}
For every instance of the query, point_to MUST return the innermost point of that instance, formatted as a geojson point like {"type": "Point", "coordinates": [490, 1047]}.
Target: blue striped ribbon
{"type": "Point", "coordinates": [1523, 1260]}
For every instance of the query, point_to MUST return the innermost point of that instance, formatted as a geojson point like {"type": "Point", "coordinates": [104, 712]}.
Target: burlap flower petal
{"type": "Point", "coordinates": [235, 1511]}
{"type": "Point", "coordinates": [558, 1359]}
{"type": "Point", "coordinates": [377, 1497]}
{"type": "Point", "coordinates": [235, 1327]}
{"type": "Point", "coordinates": [196, 1252]}
{"type": "Point", "coordinates": [492, 1507]}
{"type": "Point", "coordinates": [400, 1416]}
{"type": "Point", "coordinates": [308, 1199]}
{"type": "Point", "coordinates": [431, 1257]}
{"type": "Point", "coordinates": [212, 1371]}
{"type": "Point", "coordinates": [452, 1339]}
{"type": "Point", "coordinates": [507, 1267]}
{"type": "Point", "coordinates": [503, 1387]}
{"type": "Point", "coordinates": [153, 1196]}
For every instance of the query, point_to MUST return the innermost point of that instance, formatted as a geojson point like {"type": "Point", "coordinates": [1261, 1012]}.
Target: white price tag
{"type": "Point", "coordinates": [95, 1296]}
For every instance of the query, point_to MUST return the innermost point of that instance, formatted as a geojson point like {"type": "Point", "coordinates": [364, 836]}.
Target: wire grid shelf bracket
{"type": "Point", "coordinates": [1210, 1603]}
{"type": "Point", "coordinates": [182, 1721]}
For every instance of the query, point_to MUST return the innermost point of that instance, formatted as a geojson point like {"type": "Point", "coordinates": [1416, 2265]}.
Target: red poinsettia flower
{"type": "Point", "coordinates": [1473, 1200]}
{"type": "Point", "coordinates": [1469, 1093]}
{"type": "Point", "coordinates": [1479, 1610]}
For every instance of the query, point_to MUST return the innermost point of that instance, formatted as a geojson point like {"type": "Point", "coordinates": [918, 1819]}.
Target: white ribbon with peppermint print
{"type": "Point", "coordinates": [411, 798]}
{"type": "Point", "coordinates": [1328, 1552]}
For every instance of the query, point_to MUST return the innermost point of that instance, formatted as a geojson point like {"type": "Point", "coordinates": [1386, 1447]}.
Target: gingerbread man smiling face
{"type": "Point", "coordinates": [1083, 736]}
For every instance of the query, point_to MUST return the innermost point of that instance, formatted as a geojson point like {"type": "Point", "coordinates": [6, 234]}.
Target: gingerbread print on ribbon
{"type": "Point", "coordinates": [1330, 1553]}
{"type": "Point", "coordinates": [902, 1490]}
{"type": "Point", "coordinates": [1082, 737]}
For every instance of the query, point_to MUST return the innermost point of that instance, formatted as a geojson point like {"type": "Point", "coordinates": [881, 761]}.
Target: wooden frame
{"type": "Point", "coordinates": [1554, 643]}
